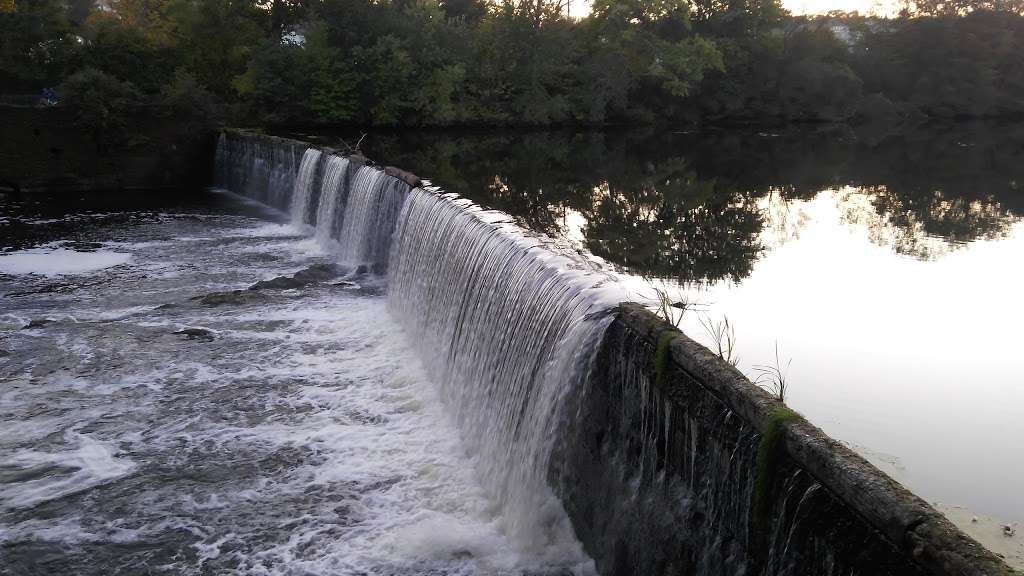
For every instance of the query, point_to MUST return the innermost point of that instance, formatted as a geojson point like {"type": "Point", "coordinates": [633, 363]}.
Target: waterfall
{"type": "Point", "coordinates": [304, 186]}
{"type": "Point", "coordinates": [370, 217]}
{"type": "Point", "coordinates": [507, 323]}
{"type": "Point", "coordinates": [656, 452]}
{"type": "Point", "coordinates": [510, 329]}
{"type": "Point", "coordinates": [331, 194]}
{"type": "Point", "coordinates": [262, 170]}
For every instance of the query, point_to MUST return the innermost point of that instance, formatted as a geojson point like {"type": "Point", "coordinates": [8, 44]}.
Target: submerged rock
{"type": "Point", "coordinates": [82, 246]}
{"type": "Point", "coordinates": [311, 275]}
{"type": "Point", "coordinates": [234, 297]}
{"type": "Point", "coordinates": [197, 334]}
{"type": "Point", "coordinates": [37, 323]}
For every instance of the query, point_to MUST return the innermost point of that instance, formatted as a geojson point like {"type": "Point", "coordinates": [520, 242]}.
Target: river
{"type": "Point", "coordinates": [160, 417]}
{"type": "Point", "coordinates": [289, 431]}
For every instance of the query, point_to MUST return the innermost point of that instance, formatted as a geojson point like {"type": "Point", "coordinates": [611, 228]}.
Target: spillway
{"type": "Point", "coordinates": [507, 324]}
{"type": "Point", "coordinates": [589, 421]}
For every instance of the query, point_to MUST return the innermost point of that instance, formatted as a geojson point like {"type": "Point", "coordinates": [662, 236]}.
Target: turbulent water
{"type": "Point", "coordinates": [506, 322]}
{"type": "Point", "coordinates": [160, 418]}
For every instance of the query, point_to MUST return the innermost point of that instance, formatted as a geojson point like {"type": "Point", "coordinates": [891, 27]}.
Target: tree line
{"type": "Point", "coordinates": [429, 63]}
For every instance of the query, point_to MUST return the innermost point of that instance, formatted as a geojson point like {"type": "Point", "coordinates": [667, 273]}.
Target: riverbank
{"type": "Point", "coordinates": [46, 149]}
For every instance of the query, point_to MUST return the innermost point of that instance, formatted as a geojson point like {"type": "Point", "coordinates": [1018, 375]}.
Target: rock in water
{"type": "Point", "coordinates": [311, 275]}
{"type": "Point", "coordinates": [235, 297]}
{"type": "Point", "coordinates": [197, 334]}
{"type": "Point", "coordinates": [37, 323]}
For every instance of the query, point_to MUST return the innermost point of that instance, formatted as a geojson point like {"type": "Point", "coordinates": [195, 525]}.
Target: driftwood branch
{"type": "Point", "coordinates": [350, 149]}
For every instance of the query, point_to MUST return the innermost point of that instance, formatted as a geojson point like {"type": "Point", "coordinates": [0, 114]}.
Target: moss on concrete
{"type": "Point", "coordinates": [768, 455]}
{"type": "Point", "coordinates": [662, 355]}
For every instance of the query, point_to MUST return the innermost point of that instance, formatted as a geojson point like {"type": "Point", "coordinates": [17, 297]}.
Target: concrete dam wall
{"type": "Point", "coordinates": [592, 418]}
{"type": "Point", "coordinates": [678, 464]}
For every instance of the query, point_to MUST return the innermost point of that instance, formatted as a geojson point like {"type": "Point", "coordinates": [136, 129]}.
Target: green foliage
{"type": "Point", "coordinates": [654, 40]}
{"type": "Point", "coordinates": [191, 102]}
{"type": "Point", "coordinates": [277, 83]}
{"type": "Point", "coordinates": [388, 100]}
{"type": "Point", "coordinates": [962, 7]}
{"type": "Point", "coordinates": [523, 62]}
{"type": "Point", "coordinates": [949, 66]}
{"type": "Point", "coordinates": [216, 40]}
{"type": "Point", "coordinates": [37, 46]}
{"type": "Point", "coordinates": [150, 18]}
{"type": "Point", "coordinates": [128, 54]}
{"type": "Point", "coordinates": [334, 90]}
{"type": "Point", "coordinates": [464, 11]}
{"type": "Point", "coordinates": [101, 102]}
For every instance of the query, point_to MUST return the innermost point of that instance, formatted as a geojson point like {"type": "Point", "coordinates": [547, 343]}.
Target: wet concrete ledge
{"type": "Point", "coordinates": [913, 528]}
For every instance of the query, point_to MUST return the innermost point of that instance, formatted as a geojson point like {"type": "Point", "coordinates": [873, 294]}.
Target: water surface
{"type": "Point", "coordinates": [287, 431]}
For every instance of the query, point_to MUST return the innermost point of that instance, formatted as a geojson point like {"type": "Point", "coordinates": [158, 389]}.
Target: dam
{"type": "Point", "coordinates": [392, 380]}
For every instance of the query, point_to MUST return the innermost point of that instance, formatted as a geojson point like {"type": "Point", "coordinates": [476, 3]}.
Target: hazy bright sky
{"type": "Point", "coordinates": [880, 7]}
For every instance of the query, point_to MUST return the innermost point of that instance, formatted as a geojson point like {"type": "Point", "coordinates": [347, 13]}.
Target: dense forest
{"type": "Point", "coordinates": [513, 62]}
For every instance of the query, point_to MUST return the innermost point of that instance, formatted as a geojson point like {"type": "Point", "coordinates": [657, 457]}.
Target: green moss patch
{"type": "Point", "coordinates": [662, 354]}
{"type": "Point", "coordinates": [768, 456]}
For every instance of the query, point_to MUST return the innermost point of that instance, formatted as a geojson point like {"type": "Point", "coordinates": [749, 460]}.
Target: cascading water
{"type": "Point", "coordinates": [555, 397]}
{"type": "Point", "coordinates": [370, 217]}
{"type": "Point", "coordinates": [337, 411]}
{"type": "Point", "coordinates": [331, 194]}
{"type": "Point", "coordinates": [264, 171]}
{"type": "Point", "coordinates": [353, 208]}
{"type": "Point", "coordinates": [304, 186]}
{"type": "Point", "coordinates": [507, 323]}
{"type": "Point", "coordinates": [510, 329]}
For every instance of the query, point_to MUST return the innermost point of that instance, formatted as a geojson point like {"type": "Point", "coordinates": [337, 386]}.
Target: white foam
{"type": "Point", "coordinates": [68, 531]}
{"type": "Point", "coordinates": [53, 261]}
{"type": "Point", "coordinates": [93, 463]}
{"type": "Point", "coordinates": [348, 461]}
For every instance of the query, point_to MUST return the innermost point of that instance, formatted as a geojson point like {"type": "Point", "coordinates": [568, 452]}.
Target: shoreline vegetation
{"type": "Point", "coordinates": [511, 63]}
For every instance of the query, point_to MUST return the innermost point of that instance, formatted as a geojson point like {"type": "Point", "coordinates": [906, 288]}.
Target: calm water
{"type": "Point", "coordinates": [885, 270]}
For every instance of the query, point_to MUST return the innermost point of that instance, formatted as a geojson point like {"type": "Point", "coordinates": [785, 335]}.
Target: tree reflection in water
{"type": "Point", "coordinates": [702, 208]}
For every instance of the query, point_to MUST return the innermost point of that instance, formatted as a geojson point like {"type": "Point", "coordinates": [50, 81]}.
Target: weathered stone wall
{"type": "Point", "coordinates": [674, 463]}
{"type": "Point", "coordinates": [42, 149]}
